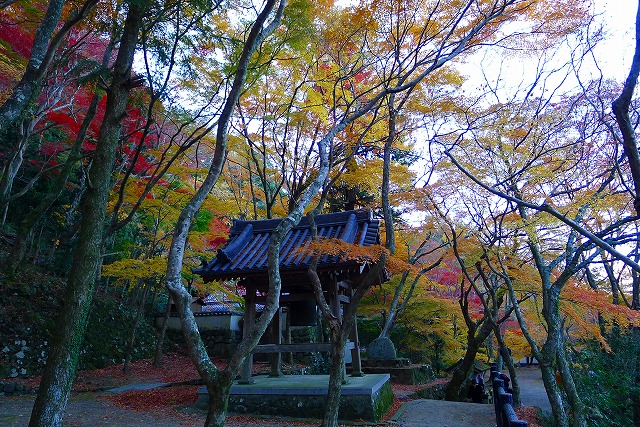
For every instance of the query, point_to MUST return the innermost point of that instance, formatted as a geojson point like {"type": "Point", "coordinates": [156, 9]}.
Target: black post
{"type": "Point", "coordinates": [505, 399]}
{"type": "Point", "coordinates": [497, 403]}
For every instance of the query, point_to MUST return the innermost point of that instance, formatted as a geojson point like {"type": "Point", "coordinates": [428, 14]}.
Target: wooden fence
{"type": "Point", "coordinates": [503, 403]}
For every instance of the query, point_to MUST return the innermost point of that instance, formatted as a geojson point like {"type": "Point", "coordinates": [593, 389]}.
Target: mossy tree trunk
{"type": "Point", "coordinates": [218, 382]}
{"type": "Point", "coordinates": [157, 358]}
{"type": "Point", "coordinates": [545, 354]}
{"type": "Point", "coordinates": [53, 394]}
{"type": "Point", "coordinates": [28, 87]}
{"type": "Point", "coordinates": [336, 375]}
{"type": "Point", "coordinates": [458, 386]}
{"type": "Point", "coordinates": [508, 360]}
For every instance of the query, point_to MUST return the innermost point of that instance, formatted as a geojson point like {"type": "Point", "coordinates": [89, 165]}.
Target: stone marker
{"type": "Point", "coordinates": [381, 348]}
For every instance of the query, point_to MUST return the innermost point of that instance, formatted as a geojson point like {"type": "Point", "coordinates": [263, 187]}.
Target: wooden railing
{"type": "Point", "coordinates": [503, 403]}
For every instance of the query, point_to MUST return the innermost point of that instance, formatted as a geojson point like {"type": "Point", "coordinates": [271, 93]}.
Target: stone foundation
{"type": "Point", "coordinates": [303, 396]}
{"type": "Point", "coordinates": [412, 375]}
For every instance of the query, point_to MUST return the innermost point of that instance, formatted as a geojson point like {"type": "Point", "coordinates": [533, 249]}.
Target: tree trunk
{"type": "Point", "coordinates": [43, 50]}
{"type": "Point", "coordinates": [28, 87]}
{"type": "Point", "coordinates": [393, 308]}
{"type": "Point", "coordinates": [508, 360]}
{"type": "Point", "coordinates": [218, 403]}
{"type": "Point", "coordinates": [550, 312]}
{"type": "Point", "coordinates": [157, 358]}
{"type": "Point", "coordinates": [218, 382]}
{"type": "Point", "coordinates": [53, 394]}
{"type": "Point", "coordinates": [336, 377]}
{"type": "Point", "coordinates": [553, 392]}
{"type": "Point", "coordinates": [215, 381]}
{"type": "Point", "coordinates": [458, 386]}
{"type": "Point", "coordinates": [341, 322]}
{"type": "Point", "coordinates": [390, 239]}
{"type": "Point", "coordinates": [546, 354]}
{"type": "Point", "coordinates": [12, 167]}
{"type": "Point", "coordinates": [620, 109]}
{"type": "Point", "coordinates": [134, 326]}
{"type": "Point", "coordinates": [577, 407]}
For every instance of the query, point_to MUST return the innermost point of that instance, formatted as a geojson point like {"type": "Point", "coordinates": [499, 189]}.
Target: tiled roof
{"type": "Point", "coordinates": [245, 253]}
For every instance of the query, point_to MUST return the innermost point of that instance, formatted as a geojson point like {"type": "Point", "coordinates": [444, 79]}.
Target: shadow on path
{"type": "Point", "coordinates": [440, 413]}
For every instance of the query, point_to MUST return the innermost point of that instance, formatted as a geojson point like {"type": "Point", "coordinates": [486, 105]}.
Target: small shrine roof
{"type": "Point", "coordinates": [245, 253]}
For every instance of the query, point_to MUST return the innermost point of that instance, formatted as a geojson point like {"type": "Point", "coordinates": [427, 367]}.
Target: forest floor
{"type": "Point", "coordinates": [172, 406]}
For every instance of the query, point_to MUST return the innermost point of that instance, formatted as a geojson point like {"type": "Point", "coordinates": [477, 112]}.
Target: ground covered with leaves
{"type": "Point", "coordinates": [177, 400]}
{"type": "Point", "coordinates": [530, 414]}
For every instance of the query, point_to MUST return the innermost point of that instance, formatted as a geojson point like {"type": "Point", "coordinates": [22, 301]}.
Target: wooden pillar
{"type": "Point", "coordinates": [288, 357]}
{"type": "Point", "coordinates": [249, 321]}
{"type": "Point", "coordinates": [356, 363]}
{"type": "Point", "coordinates": [335, 306]}
{"type": "Point", "coordinates": [276, 338]}
{"type": "Point", "coordinates": [335, 300]}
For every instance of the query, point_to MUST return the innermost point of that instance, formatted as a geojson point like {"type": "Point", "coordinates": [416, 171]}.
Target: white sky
{"type": "Point", "coordinates": [614, 54]}
{"type": "Point", "coordinates": [617, 50]}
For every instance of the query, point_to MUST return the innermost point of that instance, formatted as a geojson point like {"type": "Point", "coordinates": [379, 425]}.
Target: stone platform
{"type": "Point", "coordinates": [402, 371]}
{"type": "Point", "coordinates": [303, 396]}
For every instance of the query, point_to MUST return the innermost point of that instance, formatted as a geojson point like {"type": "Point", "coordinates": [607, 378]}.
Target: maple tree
{"type": "Point", "coordinates": [14, 114]}
{"type": "Point", "coordinates": [58, 157]}
{"type": "Point", "coordinates": [597, 95]}
{"type": "Point", "coordinates": [218, 383]}
{"type": "Point", "coordinates": [399, 76]}
{"type": "Point", "coordinates": [481, 296]}
{"type": "Point", "coordinates": [533, 159]}
{"type": "Point", "coordinates": [455, 385]}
